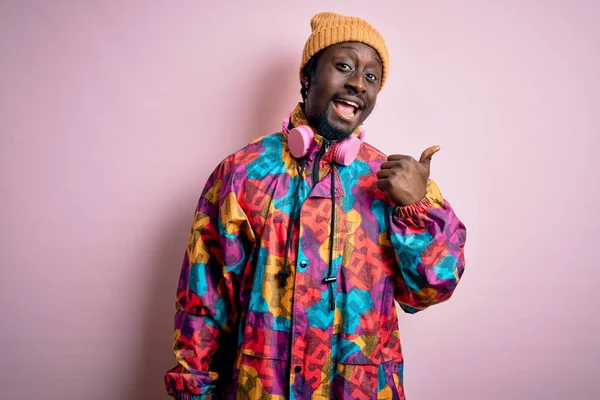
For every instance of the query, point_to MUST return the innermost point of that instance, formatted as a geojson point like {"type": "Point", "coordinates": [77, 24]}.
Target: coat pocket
{"type": "Point", "coordinates": [367, 367]}
{"type": "Point", "coordinates": [260, 378]}
{"type": "Point", "coordinates": [368, 381]}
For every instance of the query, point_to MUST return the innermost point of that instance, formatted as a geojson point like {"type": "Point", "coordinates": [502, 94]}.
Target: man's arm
{"type": "Point", "coordinates": [207, 309]}
{"type": "Point", "coordinates": [428, 239]}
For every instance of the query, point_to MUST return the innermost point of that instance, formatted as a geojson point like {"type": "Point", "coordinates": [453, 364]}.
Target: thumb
{"type": "Point", "coordinates": [425, 159]}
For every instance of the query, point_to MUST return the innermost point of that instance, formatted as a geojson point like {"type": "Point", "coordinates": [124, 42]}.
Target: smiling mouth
{"type": "Point", "coordinates": [346, 110]}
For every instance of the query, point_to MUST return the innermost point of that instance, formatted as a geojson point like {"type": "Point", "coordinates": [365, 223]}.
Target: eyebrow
{"type": "Point", "coordinates": [350, 47]}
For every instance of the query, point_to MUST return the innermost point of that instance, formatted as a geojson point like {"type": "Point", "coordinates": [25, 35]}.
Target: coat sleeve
{"type": "Point", "coordinates": [207, 301]}
{"type": "Point", "coordinates": [428, 239]}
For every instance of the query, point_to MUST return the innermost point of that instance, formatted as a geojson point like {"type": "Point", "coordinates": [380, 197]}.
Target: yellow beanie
{"type": "Point", "coordinates": [330, 28]}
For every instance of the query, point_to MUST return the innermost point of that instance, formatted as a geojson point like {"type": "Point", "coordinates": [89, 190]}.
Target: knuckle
{"type": "Point", "coordinates": [405, 162]}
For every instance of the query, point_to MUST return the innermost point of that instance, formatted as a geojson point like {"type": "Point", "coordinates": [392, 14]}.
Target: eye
{"type": "Point", "coordinates": [344, 67]}
{"type": "Point", "coordinates": [371, 77]}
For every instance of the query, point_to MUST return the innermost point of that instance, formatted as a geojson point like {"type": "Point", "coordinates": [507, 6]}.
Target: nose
{"type": "Point", "coordinates": [356, 83]}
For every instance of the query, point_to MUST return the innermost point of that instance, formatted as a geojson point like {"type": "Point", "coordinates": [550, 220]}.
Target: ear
{"type": "Point", "coordinates": [304, 81]}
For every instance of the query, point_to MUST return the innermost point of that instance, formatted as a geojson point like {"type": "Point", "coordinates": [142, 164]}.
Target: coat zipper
{"type": "Point", "coordinates": [317, 164]}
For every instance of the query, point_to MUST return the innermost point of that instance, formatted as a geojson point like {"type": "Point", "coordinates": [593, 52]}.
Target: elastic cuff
{"type": "Point", "coordinates": [433, 199]}
{"type": "Point", "coordinates": [409, 211]}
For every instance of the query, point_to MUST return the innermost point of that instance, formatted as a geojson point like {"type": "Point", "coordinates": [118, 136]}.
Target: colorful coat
{"type": "Point", "coordinates": [323, 325]}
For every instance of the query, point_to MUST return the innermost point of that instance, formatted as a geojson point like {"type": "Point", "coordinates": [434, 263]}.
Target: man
{"type": "Point", "coordinates": [302, 241]}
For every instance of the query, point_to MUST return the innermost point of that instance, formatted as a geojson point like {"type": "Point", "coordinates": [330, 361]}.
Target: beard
{"type": "Point", "coordinates": [332, 133]}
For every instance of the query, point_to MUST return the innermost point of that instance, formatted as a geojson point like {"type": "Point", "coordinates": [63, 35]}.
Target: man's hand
{"type": "Point", "coordinates": [404, 179]}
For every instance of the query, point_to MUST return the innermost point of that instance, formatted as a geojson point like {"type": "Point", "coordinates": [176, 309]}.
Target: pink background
{"type": "Point", "coordinates": [112, 115]}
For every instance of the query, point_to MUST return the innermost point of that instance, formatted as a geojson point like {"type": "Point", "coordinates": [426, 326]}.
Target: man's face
{"type": "Point", "coordinates": [343, 90]}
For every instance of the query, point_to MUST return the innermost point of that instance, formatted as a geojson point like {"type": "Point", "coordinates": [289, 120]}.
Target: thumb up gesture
{"type": "Point", "coordinates": [404, 179]}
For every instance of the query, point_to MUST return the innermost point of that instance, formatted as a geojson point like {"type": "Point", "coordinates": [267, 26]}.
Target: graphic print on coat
{"type": "Point", "coordinates": [238, 332]}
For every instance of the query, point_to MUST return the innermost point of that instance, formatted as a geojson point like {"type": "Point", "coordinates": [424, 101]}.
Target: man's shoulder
{"type": "Point", "coordinates": [261, 146]}
{"type": "Point", "coordinates": [259, 153]}
{"type": "Point", "coordinates": [267, 142]}
{"type": "Point", "coordinates": [370, 153]}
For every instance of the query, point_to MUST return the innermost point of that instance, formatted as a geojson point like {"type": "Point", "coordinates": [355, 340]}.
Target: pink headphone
{"type": "Point", "coordinates": [344, 152]}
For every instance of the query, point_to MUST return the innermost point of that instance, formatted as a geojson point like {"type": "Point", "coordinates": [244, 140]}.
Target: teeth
{"type": "Point", "coordinates": [353, 104]}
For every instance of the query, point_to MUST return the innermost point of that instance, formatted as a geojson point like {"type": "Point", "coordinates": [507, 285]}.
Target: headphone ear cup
{"type": "Point", "coordinates": [347, 150]}
{"type": "Point", "coordinates": [299, 140]}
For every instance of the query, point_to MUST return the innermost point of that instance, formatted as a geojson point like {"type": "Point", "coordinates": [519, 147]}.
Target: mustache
{"type": "Point", "coordinates": [365, 103]}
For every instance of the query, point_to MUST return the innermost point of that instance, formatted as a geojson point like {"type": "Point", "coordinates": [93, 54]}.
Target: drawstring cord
{"type": "Point", "coordinates": [330, 279]}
